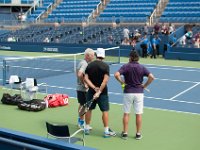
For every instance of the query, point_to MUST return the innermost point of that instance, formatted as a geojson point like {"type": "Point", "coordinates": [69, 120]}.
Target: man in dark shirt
{"type": "Point", "coordinates": [96, 77]}
{"type": "Point", "coordinates": [133, 73]}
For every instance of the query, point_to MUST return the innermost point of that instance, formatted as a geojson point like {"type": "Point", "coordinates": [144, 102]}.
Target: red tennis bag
{"type": "Point", "coordinates": [55, 100]}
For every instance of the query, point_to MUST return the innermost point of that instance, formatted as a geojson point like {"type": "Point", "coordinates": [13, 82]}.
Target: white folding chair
{"type": "Point", "coordinates": [15, 82]}
{"type": "Point", "coordinates": [31, 87]}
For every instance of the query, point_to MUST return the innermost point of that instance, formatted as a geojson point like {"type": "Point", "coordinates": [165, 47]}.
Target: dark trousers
{"type": "Point", "coordinates": [154, 52]}
{"type": "Point", "coordinates": [157, 49]}
{"type": "Point", "coordinates": [144, 50]}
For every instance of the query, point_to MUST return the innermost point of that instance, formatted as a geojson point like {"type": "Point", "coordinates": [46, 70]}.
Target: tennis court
{"type": "Point", "coordinates": [176, 89]}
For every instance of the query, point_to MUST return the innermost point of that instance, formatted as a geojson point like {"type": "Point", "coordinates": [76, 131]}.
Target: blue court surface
{"type": "Point", "coordinates": [175, 88]}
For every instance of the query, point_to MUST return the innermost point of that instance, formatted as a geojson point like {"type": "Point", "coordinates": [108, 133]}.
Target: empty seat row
{"type": "Point", "coordinates": [180, 19]}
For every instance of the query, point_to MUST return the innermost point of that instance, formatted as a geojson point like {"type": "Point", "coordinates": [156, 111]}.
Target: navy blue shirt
{"type": "Point", "coordinates": [133, 73]}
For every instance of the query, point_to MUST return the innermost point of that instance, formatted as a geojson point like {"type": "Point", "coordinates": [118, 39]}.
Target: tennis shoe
{"type": "Point", "coordinates": [109, 133]}
{"type": "Point", "coordinates": [89, 128]}
{"type": "Point", "coordinates": [124, 135]}
{"type": "Point", "coordinates": [87, 131]}
{"type": "Point", "coordinates": [81, 123]}
{"type": "Point", "coordinates": [138, 136]}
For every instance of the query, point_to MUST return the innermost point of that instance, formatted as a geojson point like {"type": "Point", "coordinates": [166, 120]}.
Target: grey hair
{"type": "Point", "coordinates": [89, 51]}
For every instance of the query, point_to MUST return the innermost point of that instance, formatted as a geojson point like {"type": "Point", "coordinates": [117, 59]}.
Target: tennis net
{"type": "Point", "coordinates": [46, 66]}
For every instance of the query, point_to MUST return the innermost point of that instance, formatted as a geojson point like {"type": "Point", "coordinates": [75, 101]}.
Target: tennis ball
{"type": "Point", "coordinates": [123, 86]}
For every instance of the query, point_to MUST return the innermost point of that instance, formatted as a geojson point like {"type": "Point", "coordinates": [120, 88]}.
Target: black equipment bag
{"type": "Point", "coordinates": [11, 100]}
{"type": "Point", "coordinates": [32, 105]}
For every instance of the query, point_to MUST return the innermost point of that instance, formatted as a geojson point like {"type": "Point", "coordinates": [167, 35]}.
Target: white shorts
{"type": "Point", "coordinates": [135, 99]}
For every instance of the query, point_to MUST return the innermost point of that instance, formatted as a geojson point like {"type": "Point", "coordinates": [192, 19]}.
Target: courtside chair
{"type": "Point", "coordinates": [62, 132]}
{"type": "Point", "coordinates": [15, 82]}
{"type": "Point", "coordinates": [31, 87]}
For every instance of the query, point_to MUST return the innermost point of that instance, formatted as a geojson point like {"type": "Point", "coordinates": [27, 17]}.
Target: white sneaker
{"type": "Point", "coordinates": [89, 128]}
{"type": "Point", "coordinates": [109, 133]}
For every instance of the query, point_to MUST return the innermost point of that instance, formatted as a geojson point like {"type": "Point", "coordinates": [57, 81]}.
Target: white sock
{"type": "Point", "coordinates": [87, 126]}
{"type": "Point", "coordinates": [106, 129]}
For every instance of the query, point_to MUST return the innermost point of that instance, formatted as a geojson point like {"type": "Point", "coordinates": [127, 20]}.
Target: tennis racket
{"type": "Point", "coordinates": [83, 110]}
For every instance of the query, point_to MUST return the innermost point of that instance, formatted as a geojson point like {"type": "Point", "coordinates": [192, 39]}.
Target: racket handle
{"type": "Point", "coordinates": [146, 89]}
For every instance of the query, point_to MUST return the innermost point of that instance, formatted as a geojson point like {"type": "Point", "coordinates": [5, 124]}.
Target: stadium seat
{"type": "Point", "coordinates": [62, 132]}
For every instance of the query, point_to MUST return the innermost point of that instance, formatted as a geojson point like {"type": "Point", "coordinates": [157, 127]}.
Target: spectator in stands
{"type": "Point", "coordinates": [144, 45]}
{"type": "Point", "coordinates": [156, 28]}
{"type": "Point", "coordinates": [134, 42]}
{"type": "Point", "coordinates": [197, 40]}
{"type": "Point", "coordinates": [110, 39]}
{"type": "Point", "coordinates": [126, 42]}
{"type": "Point", "coordinates": [183, 40]}
{"type": "Point", "coordinates": [126, 34]}
{"type": "Point", "coordinates": [19, 17]}
{"type": "Point", "coordinates": [146, 29]}
{"type": "Point", "coordinates": [11, 39]}
{"type": "Point", "coordinates": [57, 40]}
{"type": "Point", "coordinates": [137, 34]}
{"type": "Point", "coordinates": [171, 28]}
{"type": "Point", "coordinates": [189, 34]}
{"type": "Point", "coordinates": [46, 40]}
{"type": "Point", "coordinates": [164, 28]}
{"type": "Point", "coordinates": [23, 17]}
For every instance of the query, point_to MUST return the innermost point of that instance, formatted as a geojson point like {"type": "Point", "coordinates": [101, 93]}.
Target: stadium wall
{"type": "Point", "coordinates": [57, 47]}
{"type": "Point", "coordinates": [15, 140]}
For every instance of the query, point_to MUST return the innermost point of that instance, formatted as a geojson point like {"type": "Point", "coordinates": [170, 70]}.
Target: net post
{"type": "Point", "coordinates": [75, 63]}
{"type": "Point", "coordinates": [119, 55]}
{"type": "Point", "coordinates": [4, 72]}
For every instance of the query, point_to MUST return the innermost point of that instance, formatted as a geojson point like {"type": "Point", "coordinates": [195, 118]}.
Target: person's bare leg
{"type": "Point", "coordinates": [138, 123]}
{"type": "Point", "coordinates": [125, 122]}
{"type": "Point", "coordinates": [105, 118]}
{"type": "Point", "coordinates": [88, 116]}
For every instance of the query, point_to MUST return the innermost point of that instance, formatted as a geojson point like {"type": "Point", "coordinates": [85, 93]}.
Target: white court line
{"type": "Point", "coordinates": [112, 75]}
{"type": "Point", "coordinates": [185, 91]}
{"type": "Point", "coordinates": [176, 68]}
{"type": "Point", "coordinates": [166, 66]}
{"type": "Point", "coordinates": [163, 99]}
{"type": "Point", "coordinates": [172, 66]}
{"type": "Point", "coordinates": [176, 80]}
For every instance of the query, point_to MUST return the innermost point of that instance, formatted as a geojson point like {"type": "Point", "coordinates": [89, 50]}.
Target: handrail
{"type": "Point", "coordinates": [93, 11]}
{"type": "Point", "coordinates": [33, 7]}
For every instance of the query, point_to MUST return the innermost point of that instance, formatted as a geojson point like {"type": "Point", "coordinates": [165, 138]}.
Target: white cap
{"type": "Point", "coordinates": [100, 52]}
